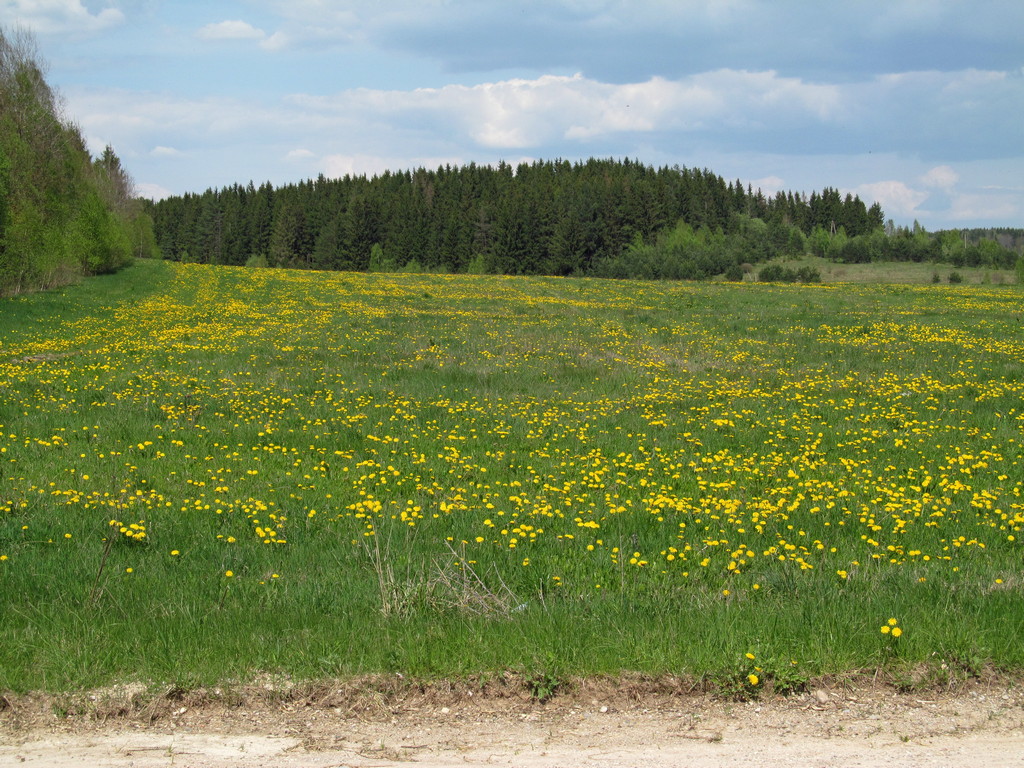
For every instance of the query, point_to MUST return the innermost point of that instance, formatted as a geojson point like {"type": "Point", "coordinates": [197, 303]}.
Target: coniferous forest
{"type": "Point", "coordinates": [62, 213]}
{"type": "Point", "coordinates": [606, 218]}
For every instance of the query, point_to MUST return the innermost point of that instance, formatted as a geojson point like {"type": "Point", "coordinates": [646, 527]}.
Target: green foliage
{"type": "Point", "coordinates": [599, 217]}
{"type": "Point", "coordinates": [143, 239]}
{"type": "Point", "coordinates": [545, 678]}
{"type": "Point", "coordinates": [685, 253]}
{"type": "Point", "coordinates": [734, 273]}
{"type": "Point", "coordinates": [680, 253]}
{"type": "Point", "coordinates": [477, 265]}
{"type": "Point", "coordinates": [955, 277]}
{"type": "Point", "coordinates": [380, 262]}
{"type": "Point", "coordinates": [776, 273]}
{"type": "Point", "coordinates": [5, 193]}
{"type": "Point", "coordinates": [819, 243]}
{"type": "Point", "coordinates": [61, 214]}
{"type": "Point", "coordinates": [914, 245]}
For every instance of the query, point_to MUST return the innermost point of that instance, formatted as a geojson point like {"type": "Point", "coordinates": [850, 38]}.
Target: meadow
{"type": "Point", "coordinates": [208, 473]}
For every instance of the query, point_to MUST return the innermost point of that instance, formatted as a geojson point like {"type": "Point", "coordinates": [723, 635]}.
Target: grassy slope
{"type": "Point", "coordinates": [893, 272]}
{"type": "Point", "coordinates": [658, 477]}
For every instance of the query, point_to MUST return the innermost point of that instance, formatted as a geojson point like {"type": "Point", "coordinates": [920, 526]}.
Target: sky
{"type": "Point", "coordinates": [915, 104]}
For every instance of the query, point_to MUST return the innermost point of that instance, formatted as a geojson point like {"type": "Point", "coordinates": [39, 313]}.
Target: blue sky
{"type": "Point", "coordinates": [916, 104]}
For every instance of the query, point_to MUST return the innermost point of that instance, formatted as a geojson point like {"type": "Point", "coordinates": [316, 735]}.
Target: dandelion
{"type": "Point", "coordinates": [753, 679]}
{"type": "Point", "coordinates": [891, 628]}
{"type": "Point", "coordinates": [851, 501]}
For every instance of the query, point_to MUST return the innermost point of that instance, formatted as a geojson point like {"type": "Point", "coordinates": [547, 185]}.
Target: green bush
{"type": "Point", "coordinates": [734, 273]}
{"type": "Point", "coordinates": [776, 273]}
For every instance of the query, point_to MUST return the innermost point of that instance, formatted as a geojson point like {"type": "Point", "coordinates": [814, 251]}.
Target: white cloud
{"type": "Point", "coordinates": [987, 207]}
{"type": "Point", "coordinates": [336, 166]}
{"type": "Point", "coordinates": [811, 135]}
{"type": "Point", "coordinates": [521, 113]}
{"type": "Point", "coordinates": [938, 199]}
{"type": "Point", "coordinates": [896, 198]}
{"type": "Point", "coordinates": [152, 191]}
{"type": "Point", "coordinates": [276, 42]}
{"type": "Point", "coordinates": [231, 30]}
{"type": "Point", "coordinates": [126, 115]}
{"type": "Point", "coordinates": [51, 17]}
{"type": "Point", "coordinates": [941, 177]}
{"type": "Point", "coordinates": [769, 184]}
{"type": "Point", "coordinates": [159, 151]}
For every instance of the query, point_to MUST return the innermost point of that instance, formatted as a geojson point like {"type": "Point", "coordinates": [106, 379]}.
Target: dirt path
{"type": "Point", "coordinates": [852, 728]}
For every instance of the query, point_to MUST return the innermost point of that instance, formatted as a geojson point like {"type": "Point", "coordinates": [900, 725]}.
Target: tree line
{"type": "Point", "coordinates": [615, 218]}
{"type": "Point", "coordinates": [995, 249]}
{"type": "Point", "coordinates": [62, 213]}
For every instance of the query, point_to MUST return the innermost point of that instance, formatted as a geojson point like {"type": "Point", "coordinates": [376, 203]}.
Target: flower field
{"type": "Point", "coordinates": [208, 471]}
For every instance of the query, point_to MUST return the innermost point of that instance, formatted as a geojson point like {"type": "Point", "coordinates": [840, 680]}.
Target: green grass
{"type": "Point", "coordinates": [915, 273]}
{"type": "Point", "coordinates": [455, 475]}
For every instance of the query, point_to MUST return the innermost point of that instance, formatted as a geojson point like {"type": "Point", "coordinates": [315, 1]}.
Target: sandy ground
{"type": "Point", "coordinates": [842, 726]}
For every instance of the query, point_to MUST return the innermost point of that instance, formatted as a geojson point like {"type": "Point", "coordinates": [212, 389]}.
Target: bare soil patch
{"type": "Point", "coordinates": [596, 723]}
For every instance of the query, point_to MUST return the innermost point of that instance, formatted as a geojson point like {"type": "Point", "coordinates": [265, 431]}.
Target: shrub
{"type": "Point", "coordinates": [772, 273]}
{"type": "Point", "coordinates": [808, 275]}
